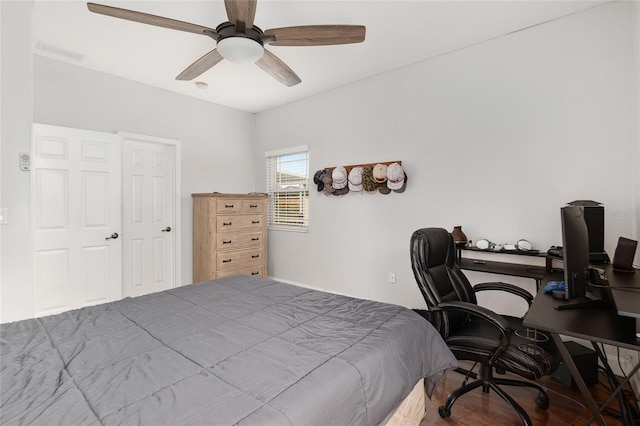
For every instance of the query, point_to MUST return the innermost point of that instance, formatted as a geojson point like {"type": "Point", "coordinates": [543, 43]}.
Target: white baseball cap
{"type": "Point", "coordinates": [395, 176]}
{"type": "Point", "coordinates": [339, 176]}
{"type": "Point", "coordinates": [355, 179]}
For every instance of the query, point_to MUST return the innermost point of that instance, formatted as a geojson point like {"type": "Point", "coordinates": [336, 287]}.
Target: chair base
{"type": "Point", "coordinates": [487, 382]}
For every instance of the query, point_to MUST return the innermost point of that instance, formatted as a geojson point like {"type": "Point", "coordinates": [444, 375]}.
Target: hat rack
{"type": "Point", "coordinates": [371, 183]}
{"type": "Point", "coordinates": [348, 168]}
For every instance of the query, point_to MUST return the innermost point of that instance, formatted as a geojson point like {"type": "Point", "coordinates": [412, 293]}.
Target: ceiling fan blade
{"type": "Point", "coordinates": [241, 10]}
{"type": "Point", "coordinates": [146, 18]}
{"type": "Point", "coordinates": [277, 69]}
{"type": "Point", "coordinates": [200, 66]}
{"type": "Point", "coordinates": [317, 35]}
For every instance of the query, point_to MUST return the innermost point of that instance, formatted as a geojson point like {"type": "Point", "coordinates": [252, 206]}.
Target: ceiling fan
{"type": "Point", "coordinates": [239, 40]}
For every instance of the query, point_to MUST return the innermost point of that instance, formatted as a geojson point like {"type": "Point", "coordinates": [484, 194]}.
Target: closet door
{"type": "Point", "coordinates": [76, 203]}
{"type": "Point", "coordinates": [150, 214]}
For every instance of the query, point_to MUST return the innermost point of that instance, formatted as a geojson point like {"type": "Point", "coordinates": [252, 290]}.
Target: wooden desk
{"type": "Point", "coordinates": [601, 325]}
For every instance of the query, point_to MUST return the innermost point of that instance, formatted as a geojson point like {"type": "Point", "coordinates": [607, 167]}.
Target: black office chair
{"type": "Point", "coordinates": [473, 332]}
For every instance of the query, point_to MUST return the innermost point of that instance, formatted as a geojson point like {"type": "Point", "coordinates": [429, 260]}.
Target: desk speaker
{"type": "Point", "coordinates": [585, 360]}
{"type": "Point", "coordinates": [624, 254]}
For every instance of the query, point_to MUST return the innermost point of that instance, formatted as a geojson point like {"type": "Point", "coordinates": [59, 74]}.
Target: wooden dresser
{"type": "Point", "coordinates": [229, 235]}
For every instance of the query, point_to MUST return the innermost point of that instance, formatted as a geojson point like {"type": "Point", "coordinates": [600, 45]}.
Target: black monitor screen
{"type": "Point", "coordinates": [575, 240]}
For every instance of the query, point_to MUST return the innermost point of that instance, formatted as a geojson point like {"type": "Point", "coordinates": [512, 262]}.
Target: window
{"type": "Point", "coordinates": [287, 186]}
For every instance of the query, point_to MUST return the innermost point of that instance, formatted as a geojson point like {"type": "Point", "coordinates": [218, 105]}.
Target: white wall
{"type": "Point", "coordinates": [496, 138]}
{"type": "Point", "coordinates": [216, 144]}
{"type": "Point", "coordinates": [16, 103]}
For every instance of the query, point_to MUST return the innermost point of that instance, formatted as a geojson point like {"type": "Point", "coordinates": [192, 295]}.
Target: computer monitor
{"type": "Point", "coordinates": [578, 276]}
{"type": "Point", "coordinates": [575, 243]}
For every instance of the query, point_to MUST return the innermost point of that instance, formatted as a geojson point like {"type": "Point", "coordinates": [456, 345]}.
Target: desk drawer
{"type": "Point", "coordinates": [233, 241]}
{"type": "Point", "coordinates": [226, 223]}
{"type": "Point", "coordinates": [239, 259]}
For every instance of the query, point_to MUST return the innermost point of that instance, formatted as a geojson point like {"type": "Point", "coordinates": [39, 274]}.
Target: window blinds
{"type": "Point", "coordinates": [287, 186]}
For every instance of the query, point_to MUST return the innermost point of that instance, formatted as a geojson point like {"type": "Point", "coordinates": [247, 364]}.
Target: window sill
{"type": "Point", "coordinates": [288, 228]}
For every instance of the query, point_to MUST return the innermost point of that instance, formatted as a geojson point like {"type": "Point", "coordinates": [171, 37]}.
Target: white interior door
{"type": "Point", "coordinates": [75, 199]}
{"type": "Point", "coordinates": [150, 206]}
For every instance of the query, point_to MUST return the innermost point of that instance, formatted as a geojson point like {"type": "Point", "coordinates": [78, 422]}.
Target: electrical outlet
{"type": "Point", "coordinates": [392, 277]}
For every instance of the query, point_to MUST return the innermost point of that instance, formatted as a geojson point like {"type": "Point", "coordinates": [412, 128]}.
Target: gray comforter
{"type": "Point", "coordinates": [238, 350]}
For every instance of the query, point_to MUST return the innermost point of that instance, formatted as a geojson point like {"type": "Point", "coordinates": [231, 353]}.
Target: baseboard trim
{"type": "Point", "coordinates": [310, 287]}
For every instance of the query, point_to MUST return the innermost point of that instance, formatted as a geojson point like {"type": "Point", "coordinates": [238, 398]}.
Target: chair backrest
{"type": "Point", "coordinates": [433, 259]}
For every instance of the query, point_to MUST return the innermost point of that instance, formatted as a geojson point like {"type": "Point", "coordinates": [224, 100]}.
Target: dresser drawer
{"type": "Point", "coordinates": [252, 206]}
{"type": "Point", "coordinates": [256, 270]}
{"type": "Point", "coordinates": [239, 259]}
{"type": "Point", "coordinates": [226, 223]}
{"type": "Point", "coordinates": [229, 206]}
{"type": "Point", "coordinates": [233, 241]}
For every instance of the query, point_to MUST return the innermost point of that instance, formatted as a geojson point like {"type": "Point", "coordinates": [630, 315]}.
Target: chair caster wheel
{"type": "Point", "coordinates": [444, 412]}
{"type": "Point", "coordinates": [542, 402]}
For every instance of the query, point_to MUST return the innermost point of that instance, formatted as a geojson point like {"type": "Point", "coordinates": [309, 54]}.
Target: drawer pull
{"type": "Point", "coordinates": [255, 221]}
{"type": "Point", "coordinates": [226, 223]}
{"type": "Point", "coordinates": [226, 242]}
{"type": "Point", "coordinates": [226, 260]}
{"type": "Point", "coordinates": [253, 206]}
{"type": "Point", "coordinates": [255, 273]}
{"type": "Point", "coordinates": [228, 206]}
{"type": "Point", "coordinates": [255, 239]}
{"type": "Point", "coordinates": [255, 256]}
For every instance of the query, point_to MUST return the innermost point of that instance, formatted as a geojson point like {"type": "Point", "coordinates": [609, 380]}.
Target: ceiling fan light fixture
{"type": "Point", "coordinates": [240, 50]}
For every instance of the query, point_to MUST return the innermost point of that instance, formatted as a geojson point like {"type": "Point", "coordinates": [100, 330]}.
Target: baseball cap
{"type": "Point", "coordinates": [317, 179]}
{"type": "Point", "coordinates": [380, 173]}
{"type": "Point", "coordinates": [328, 187]}
{"type": "Point", "coordinates": [383, 189]}
{"type": "Point", "coordinates": [404, 184]}
{"type": "Point", "coordinates": [355, 179]}
{"type": "Point", "coordinates": [395, 176]}
{"type": "Point", "coordinates": [342, 191]}
{"type": "Point", "coordinates": [339, 176]}
{"type": "Point", "coordinates": [368, 183]}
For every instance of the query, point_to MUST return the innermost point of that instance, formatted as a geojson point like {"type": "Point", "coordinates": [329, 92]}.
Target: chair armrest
{"type": "Point", "coordinates": [485, 314]}
{"type": "Point", "coordinates": [509, 288]}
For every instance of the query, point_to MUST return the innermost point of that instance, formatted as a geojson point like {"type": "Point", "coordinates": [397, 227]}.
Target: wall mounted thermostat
{"type": "Point", "coordinates": [25, 161]}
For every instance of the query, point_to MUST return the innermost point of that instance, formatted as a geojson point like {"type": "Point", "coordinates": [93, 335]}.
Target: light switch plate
{"type": "Point", "coordinates": [4, 213]}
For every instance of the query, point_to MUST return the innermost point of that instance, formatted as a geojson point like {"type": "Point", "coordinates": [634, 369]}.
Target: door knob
{"type": "Point", "coordinates": [167, 229]}
{"type": "Point", "coordinates": [113, 236]}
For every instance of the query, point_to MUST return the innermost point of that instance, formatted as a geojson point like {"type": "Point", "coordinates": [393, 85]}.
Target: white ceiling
{"type": "Point", "coordinates": [399, 33]}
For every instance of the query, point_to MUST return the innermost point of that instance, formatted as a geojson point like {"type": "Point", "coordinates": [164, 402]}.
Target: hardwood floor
{"type": "Point", "coordinates": [566, 406]}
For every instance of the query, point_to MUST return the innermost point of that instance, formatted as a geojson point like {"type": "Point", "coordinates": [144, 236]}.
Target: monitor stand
{"type": "Point", "coordinates": [598, 295]}
{"type": "Point", "coordinates": [583, 303]}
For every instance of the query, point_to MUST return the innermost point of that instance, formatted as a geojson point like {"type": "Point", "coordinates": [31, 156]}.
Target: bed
{"type": "Point", "coordinates": [238, 350]}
